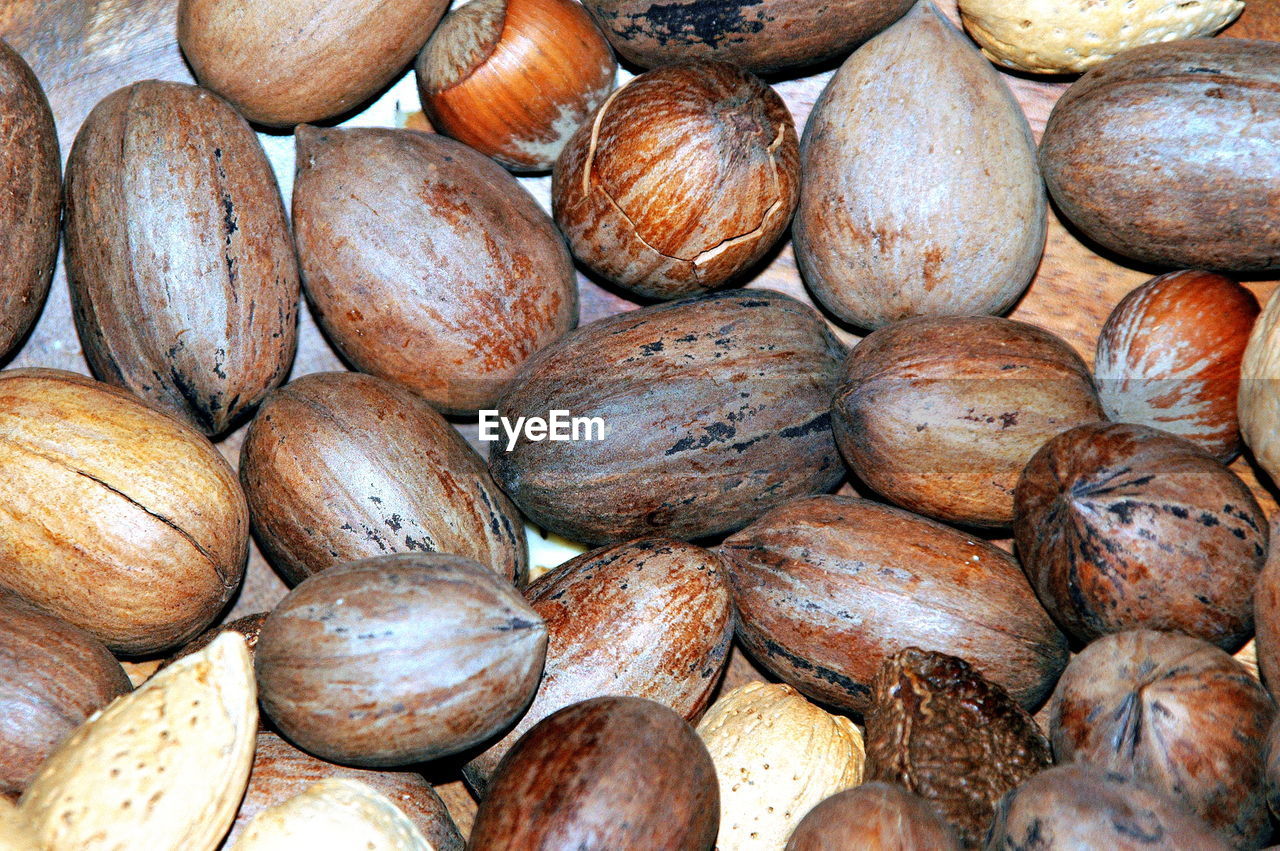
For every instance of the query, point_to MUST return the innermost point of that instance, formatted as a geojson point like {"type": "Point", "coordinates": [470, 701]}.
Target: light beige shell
{"type": "Point", "coordinates": [337, 815]}
{"type": "Point", "coordinates": [777, 756]}
{"type": "Point", "coordinates": [1070, 36]}
{"type": "Point", "coordinates": [163, 767]}
{"type": "Point", "coordinates": [1259, 403]}
{"type": "Point", "coordinates": [15, 832]}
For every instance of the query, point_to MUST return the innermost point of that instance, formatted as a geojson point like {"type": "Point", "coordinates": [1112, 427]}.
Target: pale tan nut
{"type": "Point", "coordinates": [337, 815]}
{"type": "Point", "coordinates": [15, 831]}
{"type": "Point", "coordinates": [163, 767]}
{"type": "Point", "coordinates": [777, 756]}
{"type": "Point", "coordinates": [1258, 405]}
{"type": "Point", "coordinates": [1071, 36]}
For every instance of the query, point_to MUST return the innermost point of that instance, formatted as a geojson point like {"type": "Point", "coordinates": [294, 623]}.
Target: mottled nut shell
{"type": "Point", "coordinates": [340, 466]}
{"type": "Point", "coordinates": [514, 79]}
{"type": "Point", "coordinates": [921, 190]}
{"type": "Point", "coordinates": [1167, 154]}
{"type": "Point", "coordinates": [1123, 527]}
{"type": "Point", "coordinates": [649, 618]}
{"type": "Point", "coordinates": [759, 35]}
{"type": "Point", "coordinates": [1176, 714]}
{"type": "Point", "coordinates": [939, 728]}
{"type": "Point", "coordinates": [874, 817]}
{"type": "Point", "coordinates": [118, 519]}
{"type": "Point", "coordinates": [940, 415]}
{"type": "Point", "coordinates": [1169, 357]}
{"type": "Point", "coordinates": [714, 410]}
{"type": "Point", "coordinates": [52, 677]}
{"type": "Point", "coordinates": [1271, 754]}
{"type": "Point", "coordinates": [32, 188]}
{"type": "Point", "coordinates": [287, 62]}
{"type": "Point", "coordinates": [683, 178]}
{"type": "Point", "coordinates": [281, 771]}
{"type": "Point", "coordinates": [399, 659]}
{"type": "Point", "coordinates": [1266, 617]}
{"type": "Point", "coordinates": [827, 587]}
{"type": "Point", "coordinates": [613, 772]}
{"type": "Point", "coordinates": [182, 271]}
{"type": "Point", "coordinates": [426, 262]}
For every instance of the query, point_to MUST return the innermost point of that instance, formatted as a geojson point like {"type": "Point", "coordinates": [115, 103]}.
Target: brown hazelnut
{"type": "Point", "coordinates": [683, 178]}
{"type": "Point", "coordinates": [874, 817]}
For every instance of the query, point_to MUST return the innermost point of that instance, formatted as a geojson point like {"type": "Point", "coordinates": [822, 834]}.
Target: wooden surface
{"type": "Point", "coordinates": [84, 49]}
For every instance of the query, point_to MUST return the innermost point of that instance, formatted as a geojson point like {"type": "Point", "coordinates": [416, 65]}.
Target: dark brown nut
{"type": "Point", "coordinates": [1123, 527]}
{"type": "Point", "coordinates": [932, 207]}
{"type": "Point", "coordinates": [515, 78]}
{"type": "Point", "coordinates": [939, 728]}
{"type": "Point", "coordinates": [248, 626]}
{"type": "Point", "coordinates": [427, 263]}
{"type": "Point", "coordinates": [940, 415]}
{"type": "Point", "coordinates": [1077, 806]}
{"type": "Point", "coordinates": [1166, 154]}
{"type": "Point", "coordinates": [1266, 615]}
{"type": "Point", "coordinates": [32, 188]}
{"type": "Point", "coordinates": [649, 618]}
{"type": "Point", "coordinates": [759, 35]}
{"type": "Point", "coordinates": [873, 817]}
{"type": "Point", "coordinates": [613, 772]}
{"type": "Point", "coordinates": [117, 518]}
{"type": "Point", "coordinates": [281, 771]}
{"type": "Point", "coordinates": [828, 587]}
{"type": "Point", "coordinates": [683, 179]}
{"type": "Point", "coordinates": [1177, 715]}
{"type": "Point", "coordinates": [1169, 357]}
{"type": "Point", "coordinates": [340, 466]}
{"type": "Point", "coordinates": [398, 659]}
{"type": "Point", "coordinates": [53, 676]}
{"type": "Point", "coordinates": [183, 275]}
{"type": "Point", "coordinates": [287, 62]}
{"type": "Point", "coordinates": [714, 410]}
{"type": "Point", "coordinates": [1271, 754]}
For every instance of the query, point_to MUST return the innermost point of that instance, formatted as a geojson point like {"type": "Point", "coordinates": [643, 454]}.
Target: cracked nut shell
{"type": "Point", "coordinates": [1123, 527]}
{"type": "Point", "coordinates": [874, 817]}
{"type": "Point", "coordinates": [682, 179]}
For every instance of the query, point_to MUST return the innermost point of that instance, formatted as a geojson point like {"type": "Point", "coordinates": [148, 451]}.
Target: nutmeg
{"type": "Point", "coordinates": [682, 179]}
{"type": "Point", "coordinates": [1178, 716]}
{"type": "Point", "coordinates": [940, 415]}
{"type": "Point", "coordinates": [515, 78]}
{"type": "Point", "coordinates": [874, 817]}
{"type": "Point", "coordinates": [1169, 357]}
{"type": "Point", "coordinates": [1123, 527]}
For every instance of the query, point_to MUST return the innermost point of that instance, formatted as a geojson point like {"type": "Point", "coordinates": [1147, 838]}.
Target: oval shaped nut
{"type": "Point", "coordinates": [1258, 404]}
{"type": "Point", "coordinates": [163, 767]}
{"type": "Point", "coordinates": [874, 817]}
{"type": "Point", "coordinates": [336, 813]}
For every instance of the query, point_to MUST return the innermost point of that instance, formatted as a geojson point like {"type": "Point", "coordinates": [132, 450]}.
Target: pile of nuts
{"type": "Point", "coordinates": [926, 682]}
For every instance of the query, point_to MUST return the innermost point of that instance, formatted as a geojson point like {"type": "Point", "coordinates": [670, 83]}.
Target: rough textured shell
{"type": "Point", "coordinates": [162, 767]}
{"type": "Point", "coordinates": [715, 410]}
{"type": "Point", "coordinates": [183, 274]}
{"type": "Point", "coordinates": [1176, 714]}
{"type": "Point", "coordinates": [52, 677]}
{"type": "Point", "coordinates": [932, 207]}
{"type": "Point", "coordinates": [613, 772]}
{"type": "Point", "coordinates": [1167, 154]}
{"type": "Point", "coordinates": [759, 35]}
{"type": "Point", "coordinates": [649, 618]}
{"type": "Point", "coordinates": [1071, 36]}
{"type": "Point", "coordinates": [876, 817]}
{"type": "Point", "coordinates": [1266, 615]}
{"type": "Point", "coordinates": [281, 771]}
{"type": "Point", "coordinates": [428, 264]}
{"type": "Point", "coordinates": [287, 62]}
{"type": "Point", "coordinates": [940, 415]}
{"type": "Point", "coordinates": [1258, 404]}
{"type": "Point", "coordinates": [683, 178]}
{"type": "Point", "coordinates": [776, 756]}
{"type": "Point", "coordinates": [826, 588]}
{"type": "Point", "coordinates": [118, 518]}
{"type": "Point", "coordinates": [32, 188]}
{"type": "Point", "coordinates": [1123, 526]}
{"type": "Point", "coordinates": [340, 466]}
{"type": "Point", "coordinates": [1169, 357]}
{"type": "Point", "coordinates": [399, 659]}
{"type": "Point", "coordinates": [337, 813]}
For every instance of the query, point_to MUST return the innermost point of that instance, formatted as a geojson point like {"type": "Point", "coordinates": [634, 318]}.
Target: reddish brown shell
{"type": "Point", "coordinates": [1124, 527]}
{"type": "Point", "coordinates": [681, 180]}
{"type": "Point", "coordinates": [649, 618]}
{"type": "Point", "coordinates": [1169, 357]}
{"type": "Point", "coordinates": [828, 587]}
{"type": "Point", "coordinates": [1266, 618]}
{"type": "Point", "coordinates": [874, 817]}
